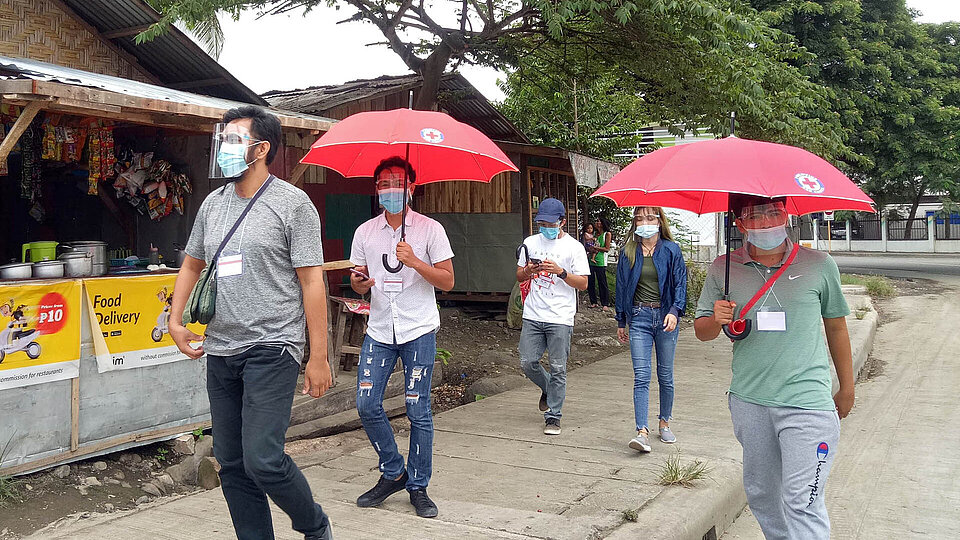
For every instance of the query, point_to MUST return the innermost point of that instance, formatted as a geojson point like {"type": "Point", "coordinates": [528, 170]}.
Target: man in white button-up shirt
{"type": "Point", "coordinates": [403, 322]}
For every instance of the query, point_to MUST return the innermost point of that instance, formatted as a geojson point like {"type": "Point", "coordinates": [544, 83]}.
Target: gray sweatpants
{"type": "Point", "coordinates": [787, 455]}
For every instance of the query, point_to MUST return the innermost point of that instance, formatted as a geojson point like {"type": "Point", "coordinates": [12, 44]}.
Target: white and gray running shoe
{"type": "Point", "coordinates": [640, 442]}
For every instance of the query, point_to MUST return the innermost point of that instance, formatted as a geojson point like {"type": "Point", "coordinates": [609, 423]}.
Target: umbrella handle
{"type": "Point", "coordinates": [738, 329]}
{"type": "Point", "coordinates": [389, 268]}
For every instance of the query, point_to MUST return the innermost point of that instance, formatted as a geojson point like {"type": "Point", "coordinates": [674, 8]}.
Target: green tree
{"type": "Point", "coordinates": [892, 81]}
{"type": "Point", "coordinates": [686, 65]}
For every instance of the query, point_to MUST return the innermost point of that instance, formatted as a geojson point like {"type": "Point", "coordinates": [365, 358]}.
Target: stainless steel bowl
{"type": "Point", "coordinates": [48, 269]}
{"type": "Point", "coordinates": [16, 271]}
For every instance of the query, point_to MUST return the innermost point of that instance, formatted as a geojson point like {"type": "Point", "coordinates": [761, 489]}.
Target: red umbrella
{"type": "Point", "coordinates": [700, 176]}
{"type": "Point", "coordinates": [438, 148]}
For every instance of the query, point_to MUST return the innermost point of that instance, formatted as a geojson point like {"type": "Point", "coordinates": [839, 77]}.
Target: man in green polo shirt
{"type": "Point", "coordinates": [780, 398]}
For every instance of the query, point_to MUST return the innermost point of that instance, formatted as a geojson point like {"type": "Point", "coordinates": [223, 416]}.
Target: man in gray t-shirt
{"type": "Point", "coordinates": [270, 293]}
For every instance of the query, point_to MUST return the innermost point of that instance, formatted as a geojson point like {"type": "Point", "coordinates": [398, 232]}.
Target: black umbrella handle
{"type": "Point", "coordinates": [403, 214]}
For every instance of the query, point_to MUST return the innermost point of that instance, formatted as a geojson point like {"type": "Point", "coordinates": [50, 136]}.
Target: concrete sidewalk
{"type": "Point", "coordinates": [497, 476]}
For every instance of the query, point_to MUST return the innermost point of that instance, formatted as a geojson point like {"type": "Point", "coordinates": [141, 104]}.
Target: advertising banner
{"type": "Point", "coordinates": [39, 332]}
{"type": "Point", "coordinates": [129, 317]}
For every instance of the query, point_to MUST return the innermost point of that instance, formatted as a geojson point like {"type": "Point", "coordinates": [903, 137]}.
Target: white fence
{"type": "Point", "coordinates": [929, 244]}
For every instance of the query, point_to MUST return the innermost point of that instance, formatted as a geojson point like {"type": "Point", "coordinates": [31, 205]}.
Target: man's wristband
{"type": "Point", "coordinates": [562, 275]}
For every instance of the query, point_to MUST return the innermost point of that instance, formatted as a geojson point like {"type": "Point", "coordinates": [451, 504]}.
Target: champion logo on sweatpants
{"type": "Point", "coordinates": [822, 451]}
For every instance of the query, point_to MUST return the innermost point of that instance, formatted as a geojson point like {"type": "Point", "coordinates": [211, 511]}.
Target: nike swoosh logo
{"type": "Point", "coordinates": [791, 278]}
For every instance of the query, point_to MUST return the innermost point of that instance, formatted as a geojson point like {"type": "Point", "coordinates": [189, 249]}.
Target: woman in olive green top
{"type": "Point", "coordinates": [651, 296]}
{"type": "Point", "coordinates": [598, 264]}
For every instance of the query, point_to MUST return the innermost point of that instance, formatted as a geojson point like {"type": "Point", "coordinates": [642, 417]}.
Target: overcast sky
{"type": "Point", "coordinates": [282, 52]}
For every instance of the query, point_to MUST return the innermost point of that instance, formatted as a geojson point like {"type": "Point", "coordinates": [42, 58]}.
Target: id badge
{"type": "Point", "coordinates": [230, 265]}
{"type": "Point", "coordinates": [392, 285]}
{"type": "Point", "coordinates": [771, 321]}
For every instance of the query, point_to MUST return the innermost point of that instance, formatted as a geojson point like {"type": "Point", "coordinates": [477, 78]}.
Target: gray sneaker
{"type": "Point", "coordinates": [667, 436]}
{"type": "Point", "coordinates": [640, 442]}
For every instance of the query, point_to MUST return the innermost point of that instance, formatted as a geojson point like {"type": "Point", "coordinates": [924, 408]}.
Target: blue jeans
{"type": "Point", "coordinates": [535, 338]}
{"type": "Point", "coordinates": [251, 394]}
{"type": "Point", "coordinates": [377, 361]}
{"type": "Point", "coordinates": [645, 326]}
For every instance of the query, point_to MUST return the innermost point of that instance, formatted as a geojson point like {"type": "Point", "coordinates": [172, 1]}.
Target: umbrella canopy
{"type": "Point", "coordinates": [438, 147]}
{"type": "Point", "coordinates": [699, 177]}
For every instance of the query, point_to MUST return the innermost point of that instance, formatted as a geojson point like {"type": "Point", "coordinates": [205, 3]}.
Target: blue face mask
{"type": "Point", "coordinates": [551, 233]}
{"type": "Point", "coordinates": [392, 200]}
{"type": "Point", "coordinates": [767, 239]}
{"type": "Point", "coordinates": [232, 159]}
{"type": "Point", "coordinates": [647, 231]}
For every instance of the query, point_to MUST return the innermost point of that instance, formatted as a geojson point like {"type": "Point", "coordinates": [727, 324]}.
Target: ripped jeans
{"type": "Point", "coordinates": [377, 361]}
{"type": "Point", "coordinates": [535, 338]}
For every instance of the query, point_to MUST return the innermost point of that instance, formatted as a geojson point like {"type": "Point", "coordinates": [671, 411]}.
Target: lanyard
{"type": "Point", "coordinates": [766, 286]}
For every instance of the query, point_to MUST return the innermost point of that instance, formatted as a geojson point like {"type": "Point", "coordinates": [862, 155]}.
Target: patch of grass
{"type": "Point", "coordinates": [9, 488]}
{"type": "Point", "coordinates": [631, 515]}
{"type": "Point", "coordinates": [674, 473]}
{"type": "Point", "coordinates": [877, 286]}
{"type": "Point", "coordinates": [861, 312]}
{"type": "Point", "coordinates": [478, 397]}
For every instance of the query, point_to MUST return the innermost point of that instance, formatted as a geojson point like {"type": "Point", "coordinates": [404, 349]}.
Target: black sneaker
{"type": "Point", "coordinates": [552, 426]}
{"type": "Point", "coordinates": [422, 503]}
{"type": "Point", "coordinates": [381, 491]}
{"type": "Point", "coordinates": [543, 402]}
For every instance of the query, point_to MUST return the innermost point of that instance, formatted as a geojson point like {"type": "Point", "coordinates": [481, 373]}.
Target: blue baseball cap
{"type": "Point", "coordinates": [550, 211]}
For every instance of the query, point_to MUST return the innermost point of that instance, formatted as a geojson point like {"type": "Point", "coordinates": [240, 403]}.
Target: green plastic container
{"type": "Point", "coordinates": [39, 251]}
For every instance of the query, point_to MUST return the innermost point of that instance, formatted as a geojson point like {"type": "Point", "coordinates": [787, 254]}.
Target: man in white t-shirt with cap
{"type": "Point", "coordinates": [556, 263]}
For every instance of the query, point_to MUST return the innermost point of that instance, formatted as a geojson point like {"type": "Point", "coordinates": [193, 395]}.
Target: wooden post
{"type": "Point", "coordinates": [74, 414]}
{"type": "Point", "coordinates": [23, 122]}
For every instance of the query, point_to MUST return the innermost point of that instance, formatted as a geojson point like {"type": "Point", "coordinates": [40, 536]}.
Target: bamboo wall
{"type": "Point", "coordinates": [466, 197]}
{"type": "Point", "coordinates": [41, 30]}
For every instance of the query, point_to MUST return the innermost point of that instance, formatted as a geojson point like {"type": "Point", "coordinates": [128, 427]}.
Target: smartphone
{"type": "Point", "coordinates": [537, 262]}
{"type": "Point", "coordinates": [359, 273]}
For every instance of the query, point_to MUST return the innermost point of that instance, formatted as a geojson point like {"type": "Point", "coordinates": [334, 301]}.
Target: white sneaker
{"type": "Point", "coordinates": [640, 442]}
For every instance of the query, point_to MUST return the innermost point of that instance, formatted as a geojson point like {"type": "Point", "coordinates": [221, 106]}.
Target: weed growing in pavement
{"type": "Point", "coordinates": [444, 356]}
{"type": "Point", "coordinates": [478, 397]}
{"type": "Point", "coordinates": [673, 473]}
{"type": "Point", "coordinates": [198, 433]}
{"type": "Point", "coordinates": [877, 286]}
{"type": "Point", "coordinates": [631, 515]}
{"type": "Point", "coordinates": [862, 311]}
{"type": "Point", "coordinates": [162, 454]}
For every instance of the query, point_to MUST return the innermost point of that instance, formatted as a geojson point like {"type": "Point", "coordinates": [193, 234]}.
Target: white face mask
{"type": "Point", "coordinates": [767, 239]}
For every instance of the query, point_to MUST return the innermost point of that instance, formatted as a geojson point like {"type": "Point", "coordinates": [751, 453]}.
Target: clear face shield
{"type": "Point", "coordinates": [229, 151]}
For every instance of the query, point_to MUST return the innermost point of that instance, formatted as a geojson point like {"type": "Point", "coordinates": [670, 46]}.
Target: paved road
{"type": "Point", "coordinates": [901, 265]}
{"type": "Point", "coordinates": [898, 471]}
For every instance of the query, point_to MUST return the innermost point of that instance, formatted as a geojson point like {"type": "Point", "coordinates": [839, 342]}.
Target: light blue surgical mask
{"type": "Point", "coordinates": [647, 231]}
{"type": "Point", "coordinates": [767, 239]}
{"type": "Point", "coordinates": [232, 159]}
{"type": "Point", "coordinates": [551, 233]}
{"type": "Point", "coordinates": [392, 200]}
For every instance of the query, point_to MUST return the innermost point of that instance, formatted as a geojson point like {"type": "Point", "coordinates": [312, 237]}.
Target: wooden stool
{"type": "Point", "coordinates": [349, 328]}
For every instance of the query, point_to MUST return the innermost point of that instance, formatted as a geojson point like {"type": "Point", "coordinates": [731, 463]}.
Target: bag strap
{"type": "Point", "coordinates": [770, 282]}
{"type": "Point", "coordinates": [243, 214]}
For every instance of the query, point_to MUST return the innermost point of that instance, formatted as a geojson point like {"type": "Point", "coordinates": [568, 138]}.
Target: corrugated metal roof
{"type": "Point", "coordinates": [172, 58]}
{"type": "Point", "coordinates": [457, 97]}
{"type": "Point", "coordinates": [19, 68]}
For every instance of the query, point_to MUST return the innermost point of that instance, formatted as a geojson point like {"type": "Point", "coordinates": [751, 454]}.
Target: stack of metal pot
{"type": "Point", "coordinates": [95, 250]}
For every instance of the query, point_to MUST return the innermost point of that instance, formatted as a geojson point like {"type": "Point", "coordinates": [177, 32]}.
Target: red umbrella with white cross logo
{"type": "Point", "coordinates": [700, 177]}
{"type": "Point", "coordinates": [438, 147]}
